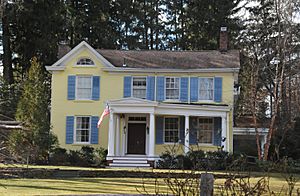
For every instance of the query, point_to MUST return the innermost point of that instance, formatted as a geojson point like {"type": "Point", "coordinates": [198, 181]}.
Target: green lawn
{"type": "Point", "coordinates": [104, 185]}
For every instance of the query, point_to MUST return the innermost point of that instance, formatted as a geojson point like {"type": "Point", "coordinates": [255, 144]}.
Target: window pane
{"type": "Point", "coordinates": [205, 130]}
{"type": "Point", "coordinates": [84, 87]}
{"type": "Point", "coordinates": [172, 88]}
{"type": "Point", "coordinates": [85, 61]}
{"type": "Point", "coordinates": [206, 88]}
{"type": "Point", "coordinates": [82, 129]}
{"type": "Point", "coordinates": [139, 87]}
{"type": "Point", "coordinates": [171, 129]}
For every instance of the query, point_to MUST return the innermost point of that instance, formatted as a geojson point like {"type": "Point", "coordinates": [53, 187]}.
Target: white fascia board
{"type": "Point", "coordinates": [56, 68]}
{"type": "Point", "coordinates": [143, 70]}
{"type": "Point", "coordinates": [76, 49]}
{"type": "Point", "coordinates": [195, 107]}
{"type": "Point", "coordinates": [249, 131]}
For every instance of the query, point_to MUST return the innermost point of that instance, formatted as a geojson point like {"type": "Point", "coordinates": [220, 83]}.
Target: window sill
{"type": "Point", "coordinates": [171, 143]}
{"type": "Point", "coordinates": [81, 143]}
{"type": "Point", "coordinates": [84, 66]}
{"type": "Point", "coordinates": [84, 100]}
{"type": "Point", "coordinates": [205, 144]}
{"type": "Point", "coordinates": [172, 101]}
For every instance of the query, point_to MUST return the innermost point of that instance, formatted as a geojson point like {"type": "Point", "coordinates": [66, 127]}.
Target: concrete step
{"type": "Point", "coordinates": [129, 165]}
{"type": "Point", "coordinates": [133, 161]}
{"type": "Point", "coordinates": [130, 158]}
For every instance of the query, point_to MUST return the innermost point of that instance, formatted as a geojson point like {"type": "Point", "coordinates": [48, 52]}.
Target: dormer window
{"type": "Point", "coordinates": [85, 61]}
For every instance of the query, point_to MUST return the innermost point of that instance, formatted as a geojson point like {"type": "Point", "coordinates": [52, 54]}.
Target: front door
{"type": "Point", "coordinates": [136, 138]}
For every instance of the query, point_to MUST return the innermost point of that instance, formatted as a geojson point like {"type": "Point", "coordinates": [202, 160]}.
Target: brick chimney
{"type": "Point", "coordinates": [223, 43]}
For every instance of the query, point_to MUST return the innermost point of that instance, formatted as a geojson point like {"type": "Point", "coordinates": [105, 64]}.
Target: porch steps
{"type": "Point", "coordinates": [129, 162]}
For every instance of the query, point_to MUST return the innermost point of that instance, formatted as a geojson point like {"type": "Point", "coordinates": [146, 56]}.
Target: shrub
{"type": "Point", "coordinates": [100, 156]}
{"type": "Point", "coordinates": [59, 156]}
{"type": "Point", "coordinates": [87, 154]}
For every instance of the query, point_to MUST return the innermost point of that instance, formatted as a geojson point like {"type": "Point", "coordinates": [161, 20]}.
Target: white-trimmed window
{"type": "Point", "coordinates": [85, 61]}
{"type": "Point", "coordinates": [83, 129]}
{"type": "Point", "coordinates": [172, 88]}
{"type": "Point", "coordinates": [205, 130]}
{"type": "Point", "coordinates": [171, 126]}
{"type": "Point", "coordinates": [139, 85]}
{"type": "Point", "coordinates": [206, 88]}
{"type": "Point", "coordinates": [84, 87]}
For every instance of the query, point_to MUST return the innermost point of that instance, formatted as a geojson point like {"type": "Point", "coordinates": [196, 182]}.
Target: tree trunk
{"type": "Point", "coordinates": [156, 26]}
{"type": "Point", "coordinates": [7, 56]}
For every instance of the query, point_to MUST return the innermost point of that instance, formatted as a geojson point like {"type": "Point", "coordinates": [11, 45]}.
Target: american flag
{"type": "Point", "coordinates": [104, 113]}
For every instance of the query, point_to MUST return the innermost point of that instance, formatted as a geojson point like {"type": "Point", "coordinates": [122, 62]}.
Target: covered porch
{"type": "Point", "coordinates": [138, 128]}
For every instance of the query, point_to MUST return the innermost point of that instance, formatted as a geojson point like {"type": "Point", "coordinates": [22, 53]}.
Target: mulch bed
{"type": "Point", "coordinates": [15, 172]}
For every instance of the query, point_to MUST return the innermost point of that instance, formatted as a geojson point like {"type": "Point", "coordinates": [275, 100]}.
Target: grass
{"type": "Point", "coordinates": [104, 185]}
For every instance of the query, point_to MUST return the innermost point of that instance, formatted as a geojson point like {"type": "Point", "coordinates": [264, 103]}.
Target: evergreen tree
{"type": "Point", "coordinates": [9, 95]}
{"type": "Point", "coordinates": [205, 17]}
{"type": "Point", "coordinates": [37, 27]}
{"type": "Point", "coordinates": [33, 111]}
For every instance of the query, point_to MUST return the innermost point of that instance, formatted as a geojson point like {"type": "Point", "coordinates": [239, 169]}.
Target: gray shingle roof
{"type": "Point", "coordinates": [173, 59]}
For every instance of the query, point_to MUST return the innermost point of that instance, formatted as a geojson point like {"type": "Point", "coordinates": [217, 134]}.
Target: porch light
{"type": "Point", "coordinates": [124, 129]}
{"type": "Point", "coordinates": [223, 139]}
{"type": "Point", "coordinates": [147, 129]}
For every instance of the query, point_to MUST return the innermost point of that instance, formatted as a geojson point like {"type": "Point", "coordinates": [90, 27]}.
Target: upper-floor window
{"type": "Point", "coordinates": [85, 61]}
{"type": "Point", "coordinates": [205, 128]}
{"type": "Point", "coordinates": [84, 87]}
{"type": "Point", "coordinates": [83, 129]}
{"type": "Point", "coordinates": [171, 126]}
{"type": "Point", "coordinates": [206, 88]}
{"type": "Point", "coordinates": [139, 85]}
{"type": "Point", "coordinates": [172, 88]}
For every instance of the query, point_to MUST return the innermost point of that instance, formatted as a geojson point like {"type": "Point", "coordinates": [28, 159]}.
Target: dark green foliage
{"type": "Point", "coordinates": [87, 153]}
{"type": "Point", "coordinates": [291, 145]}
{"type": "Point", "coordinates": [198, 160]}
{"type": "Point", "coordinates": [33, 112]}
{"type": "Point", "coordinates": [9, 95]}
{"type": "Point", "coordinates": [59, 156]}
{"type": "Point", "coordinates": [36, 30]}
{"type": "Point", "coordinates": [87, 156]}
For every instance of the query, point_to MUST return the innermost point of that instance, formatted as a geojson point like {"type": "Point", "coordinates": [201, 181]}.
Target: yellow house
{"type": "Point", "coordinates": [156, 99]}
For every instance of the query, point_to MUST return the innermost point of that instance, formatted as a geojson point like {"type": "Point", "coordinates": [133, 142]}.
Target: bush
{"type": "Point", "coordinates": [100, 156]}
{"type": "Point", "coordinates": [59, 156]}
{"type": "Point", "coordinates": [87, 156]}
{"type": "Point", "coordinates": [197, 160]}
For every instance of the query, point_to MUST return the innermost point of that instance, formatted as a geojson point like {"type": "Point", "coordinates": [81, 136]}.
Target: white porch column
{"type": "Point", "coordinates": [224, 133]}
{"type": "Point", "coordinates": [111, 135]}
{"type": "Point", "coordinates": [123, 135]}
{"type": "Point", "coordinates": [151, 135]}
{"type": "Point", "coordinates": [263, 142]}
{"type": "Point", "coordinates": [187, 135]}
{"type": "Point", "coordinates": [118, 135]}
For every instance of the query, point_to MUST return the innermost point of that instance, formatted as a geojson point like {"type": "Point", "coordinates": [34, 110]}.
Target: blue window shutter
{"type": "Point", "coordinates": [159, 129]}
{"type": "Point", "coordinates": [184, 85]}
{"type": "Point", "coordinates": [217, 131]}
{"type": "Point", "coordinates": [71, 87]}
{"type": "Point", "coordinates": [150, 87]}
{"type": "Point", "coordinates": [160, 88]}
{"type": "Point", "coordinates": [193, 131]}
{"type": "Point", "coordinates": [69, 129]}
{"type": "Point", "coordinates": [94, 130]}
{"type": "Point", "coordinates": [182, 129]}
{"type": "Point", "coordinates": [194, 91]}
{"type": "Point", "coordinates": [127, 86]}
{"type": "Point", "coordinates": [218, 89]}
{"type": "Point", "coordinates": [96, 88]}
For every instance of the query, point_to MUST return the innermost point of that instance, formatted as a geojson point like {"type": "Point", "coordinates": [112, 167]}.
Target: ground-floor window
{"type": "Point", "coordinates": [204, 128]}
{"type": "Point", "coordinates": [171, 126]}
{"type": "Point", "coordinates": [83, 129]}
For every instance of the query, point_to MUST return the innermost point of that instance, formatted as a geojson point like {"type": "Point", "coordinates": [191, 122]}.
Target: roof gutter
{"type": "Point", "coordinates": [146, 70]}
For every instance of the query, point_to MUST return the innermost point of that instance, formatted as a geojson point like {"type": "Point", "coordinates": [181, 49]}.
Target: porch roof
{"type": "Point", "coordinates": [136, 105]}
